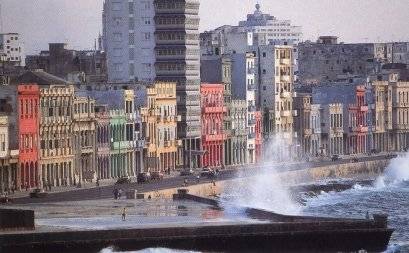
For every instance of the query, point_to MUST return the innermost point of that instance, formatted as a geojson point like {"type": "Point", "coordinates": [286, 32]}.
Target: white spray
{"type": "Point", "coordinates": [264, 189]}
{"type": "Point", "coordinates": [396, 172]}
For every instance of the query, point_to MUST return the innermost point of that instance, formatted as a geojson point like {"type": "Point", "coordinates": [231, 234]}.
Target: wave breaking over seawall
{"type": "Point", "coordinates": [396, 172]}
{"type": "Point", "coordinates": [264, 189]}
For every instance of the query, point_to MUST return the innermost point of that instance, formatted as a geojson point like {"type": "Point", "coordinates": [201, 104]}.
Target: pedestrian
{"type": "Point", "coordinates": [97, 182]}
{"type": "Point", "coordinates": [149, 197]}
{"type": "Point", "coordinates": [49, 186]}
{"type": "Point", "coordinates": [115, 193]}
{"type": "Point", "coordinates": [120, 193]}
{"type": "Point", "coordinates": [214, 182]}
{"type": "Point", "coordinates": [185, 182]}
{"type": "Point", "coordinates": [124, 214]}
{"type": "Point", "coordinates": [26, 187]}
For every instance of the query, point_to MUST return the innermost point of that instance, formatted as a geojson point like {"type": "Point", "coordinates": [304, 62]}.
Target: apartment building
{"type": "Point", "coordinates": [12, 49]}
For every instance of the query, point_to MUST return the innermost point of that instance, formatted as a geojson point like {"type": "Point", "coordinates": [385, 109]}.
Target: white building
{"type": "Point", "coordinates": [128, 39]}
{"type": "Point", "coordinates": [11, 49]}
{"type": "Point", "coordinates": [243, 87]}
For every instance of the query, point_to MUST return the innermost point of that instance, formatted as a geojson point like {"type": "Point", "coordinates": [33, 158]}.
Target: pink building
{"type": "Point", "coordinates": [358, 134]}
{"type": "Point", "coordinates": [213, 136]}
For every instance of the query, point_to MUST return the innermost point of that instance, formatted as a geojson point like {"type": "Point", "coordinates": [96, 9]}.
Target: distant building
{"type": "Point", "coordinates": [77, 66]}
{"type": "Point", "coordinates": [332, 122]}
{"type": "Point", "coordinates": [239, 133]}
{"type": "Point", "coordinates": [12, 49]}
{"type": "Point", "coordinates": [213, 135]}
{"type": "Point", "coordinates": [103, 142]}
{"type": "Point", "coordinates": [160, 119]}
{"type": "Point", "coordinates": [9, 169]}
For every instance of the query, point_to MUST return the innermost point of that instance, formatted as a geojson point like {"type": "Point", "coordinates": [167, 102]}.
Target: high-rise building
{"type": "Point", "coordinates": [157, 39]}
{"type": "Point", "coordinates": [128, 40]}
{"type": "Point", "coordinates": [178, 60]}
{"type": "Point", "coordinates": [11, 48]}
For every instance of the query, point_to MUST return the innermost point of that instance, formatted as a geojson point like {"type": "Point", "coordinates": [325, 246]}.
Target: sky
{"type": "Point", "coordinates": [78, 22]}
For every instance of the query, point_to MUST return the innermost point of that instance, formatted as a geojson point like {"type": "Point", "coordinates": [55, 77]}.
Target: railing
{"type": "Point", "coordinates": [251, 121]}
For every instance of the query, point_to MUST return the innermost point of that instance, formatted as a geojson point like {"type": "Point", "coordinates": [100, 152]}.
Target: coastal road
{"type": "Point", "coordinates": [105, 192]}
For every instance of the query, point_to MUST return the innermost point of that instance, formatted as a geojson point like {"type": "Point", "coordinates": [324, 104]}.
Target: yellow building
{"type": "Point", "coordinates": [159, 125]}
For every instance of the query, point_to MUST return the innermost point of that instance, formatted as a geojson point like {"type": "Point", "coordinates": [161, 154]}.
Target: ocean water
{"type": "Point", "coordinates": [389, 194]}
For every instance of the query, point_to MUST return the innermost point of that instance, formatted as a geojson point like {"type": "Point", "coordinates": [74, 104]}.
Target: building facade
{"type": "Point", "coordinates": [129, 40]}
{"type": "Point", "coordinates": [358, 134]}
{"type": "Point", "coordinates": [178, 60]}
{"type": "Point", "coordinates": [303, 124]}
{"type": "Point", "coordinates": [332, 122]}
{"type": "Point", "coordinates": [239, 132]}
{"type": "Point", "coordinates": [213, 135]}
{"type": "Point", "coordinates": [9, 169]}
{"type": "Point", "coordinates": [103, 140]}
{"type": "Point", "coordinates": [400, 113]}
{"type": "Point", "coordinates": [56, 135]}
{"type": "Point", "coordinates": [84, 132]}
{"type": "Point", "coordinates": [30, 175]}
{"type": "Point", "coordinates": [160, 120]}
{"type": "Point", "coordinates": [11, 47]}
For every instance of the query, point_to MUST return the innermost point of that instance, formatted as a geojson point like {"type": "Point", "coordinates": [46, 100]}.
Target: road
{"type": "Point", "coordinates": [107, 191]}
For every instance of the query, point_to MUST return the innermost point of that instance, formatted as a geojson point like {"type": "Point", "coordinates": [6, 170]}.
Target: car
{"type": "Point", "coordinates": [391, 156]}
{"type": "Point", "coordinates": [123, 180]}
{"type": "Point", "coordinates": [209, 173]}
{"type": "Point", "coordinates": [143, 177]}
{"type": "Point", "coordinates": [186, 172]}
{"type": "Point", "coordinates": [355, 160]}
{"type": "Point", "coordinates": [335, 158]}
{"type": "Point", "coordinates": [156, 175]}
{"type": "Point", "coordinates": [38, 193]}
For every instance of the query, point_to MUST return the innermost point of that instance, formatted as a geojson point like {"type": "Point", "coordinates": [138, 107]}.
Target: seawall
{"type": "Point", "coordinates": [366, 169]}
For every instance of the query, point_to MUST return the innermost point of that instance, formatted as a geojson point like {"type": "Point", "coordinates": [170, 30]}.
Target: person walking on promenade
{"type": "Point", "coordinates": [124, 214]}
{"type": "Point", "coordinates": [115, 193]}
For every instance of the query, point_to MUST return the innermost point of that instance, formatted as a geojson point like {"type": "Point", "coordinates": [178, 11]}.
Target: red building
{"type": "Point", "coordinates": [213, 136]}
{"type": "Point", "coordinates": [259, 138]}
{"type": "Point", "coordinates": [358, 136]}
{"type": "Point", "coordinates": [28, 101]}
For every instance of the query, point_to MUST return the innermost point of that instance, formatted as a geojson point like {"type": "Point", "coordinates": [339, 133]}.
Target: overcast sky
{"type": "Point", "coordinates": [78, 22]}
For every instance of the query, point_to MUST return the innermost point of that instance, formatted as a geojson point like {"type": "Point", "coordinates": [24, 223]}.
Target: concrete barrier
{"type": "Point", "coordinates": [11, 219]}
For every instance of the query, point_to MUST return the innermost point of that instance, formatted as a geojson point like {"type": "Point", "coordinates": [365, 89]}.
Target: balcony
{"type": "Point", "coordinates": [252, 108]}
{"type": "Point", "coordinates": [285, 113]}
{"type": "Point", "coordinates": [285, 78]}
{"type": "Point", "coordinates": [285, 61]}
{"type": "Point", "coordinates": [182, 8]}
{"type": "Point", "coordinates": [215, 137]}
{"type": "Point", "coordinates": [251, 87]}
{"type": "Point", "coordinates": [167, 144]}
{"type": "Point", "coordinates": [285, 94]}
{"type": "Point", "coordinates": [307, 131]}
{"type": "Point", "coordinates": [251, 122]}
{"type": "Point", "coordinates": [140, 143]}
{"type": "Point", "coordinates": [364, 108]}
{"type": "Point", "coordinates": [215, 109]}
{"type": "Point", "coordinates": [251, 71]}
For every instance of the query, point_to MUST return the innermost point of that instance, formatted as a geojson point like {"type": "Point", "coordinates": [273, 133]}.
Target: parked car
{"type": "Point", "coordinates": [209, 173]}
{"type": "Point", "coordinates": [156, 175]}
{"type": "Point", "coordinates": [335, 158]}
{"type": "Point", "coordinates": [186, 172]}
{"type": "Point", "coordinates": [38, 193]}
{"type": "Point", "coordinates": [143, 177]}
{"type": "Point", "coordinates": [123, 180]}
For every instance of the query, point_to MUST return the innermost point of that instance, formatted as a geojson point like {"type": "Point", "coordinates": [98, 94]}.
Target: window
{"type": "Point", "coordinates": [117, 37]}
{"type": "Point", "coordinates": [131, 54]}
{"type": "Point", "coordinates": [117, 21]}
{"type": "Point", "coordinates": [117, 52]}
{"type": "Point", "coordinates": [146, 21]}
{"type": "Point", "coordinates": [118, 67]}
{"type": "Point", "coordinates": [132, 39]}
{"type": "Point", "coordinates": [264, 54]}
{"type": "Point", "coordinates": [146, 36]}
{"type": "Point", "coordinates": [131, 23]}
{"type": "Point", "coordinates": [145, 5]}
{"type": "Point", "coordinates": [131, 8]}
{"type": "Point", "coordinates": [116, 6]}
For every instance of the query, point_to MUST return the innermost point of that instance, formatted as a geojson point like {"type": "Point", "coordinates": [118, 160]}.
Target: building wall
{"type": "Point", "coordinates": [213, 135]}
{"type": "Point", "coordinates": [400, 114]}
{"type": "Point", "coordinates": [103, 140]}
{"type": "Point", "coordinates": [332, 121]}
{"type": "Point", "coordinates": [128, 39]}
{"type": "Point", "coordinates": [56, 135]}
{"type": "Point", "coordinates": [29, 100]}
{"type": "Point", "coordinates": [239, 132]}
{"type": "Point", "coordinates": [11, 45]}
{"type": "Point", "coordinates": [84, 132]}
{"type": "Point", "coordinates": [160, 127]}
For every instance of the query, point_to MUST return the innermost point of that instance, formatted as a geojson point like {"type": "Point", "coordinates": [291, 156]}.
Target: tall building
{"type": "Point", "coordinates": [12, 48]}
{"type": "Point", "coordinates": [128, 40]}
{"type": "Point", "coordinates": [160, 128]}
{"type": "Point", "coordinates": [213, 135]}
{"type": "Point", "coordinates": [158, 39]}
{"type": "Point", "coordinates": [178, 60]}
{"type": "Point", "coordinates": [29, 100]}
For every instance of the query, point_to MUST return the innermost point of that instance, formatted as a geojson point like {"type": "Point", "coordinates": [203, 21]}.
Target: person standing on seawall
{"type": "Point", "coordinates": [124, 214]}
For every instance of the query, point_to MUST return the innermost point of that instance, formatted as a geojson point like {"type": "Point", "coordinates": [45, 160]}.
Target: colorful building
{"type": "Point", "coordinates": [160, 127]}
{"type": "Point", "coordinates": [103, 142]}
{"type": "Point", "coordinates": [358, 135]}
{"type": "Point", "coordinates": [259, 136]}
{"type": "Point", "coordinates": [213, 135]}
{"type": "Point", "coordinates": [30, 175]}
{"type": "Point", "coordinates": [84, 139]}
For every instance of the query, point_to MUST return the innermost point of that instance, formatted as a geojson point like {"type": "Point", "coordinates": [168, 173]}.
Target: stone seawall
{"type": "Point", "coordinates": [367, 169]}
